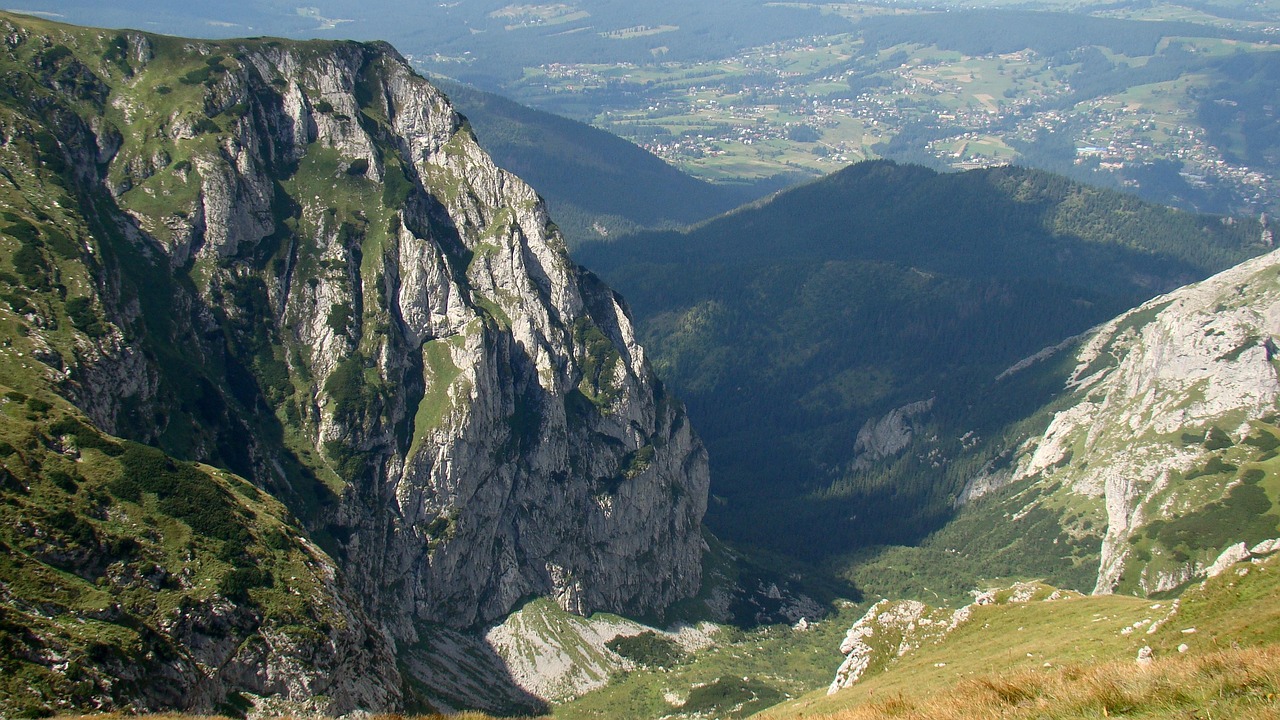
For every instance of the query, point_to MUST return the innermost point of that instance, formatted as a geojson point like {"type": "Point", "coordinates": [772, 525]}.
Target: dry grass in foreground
{"type": "Point", "coordinates": [1236, 684]}
{"type": "Point", "coordinates": [192, 716]}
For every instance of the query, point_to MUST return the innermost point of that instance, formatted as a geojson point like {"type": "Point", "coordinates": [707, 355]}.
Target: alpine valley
{"type": "Point", "coordinates": [306, 410]}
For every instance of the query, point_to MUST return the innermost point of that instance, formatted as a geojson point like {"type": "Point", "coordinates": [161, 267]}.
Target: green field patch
{"type": "Point", "coordinates": [439, 374]}
{"type": "Point", "coordinates": [638, 31]}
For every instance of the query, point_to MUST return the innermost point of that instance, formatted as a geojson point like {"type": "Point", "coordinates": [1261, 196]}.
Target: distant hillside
{"type": "Point", "coordinates": [815, 335]}
{"type": "Point", "coordinates": [596, 184]}
{"type": "Point", "coordinates": [984, 31]}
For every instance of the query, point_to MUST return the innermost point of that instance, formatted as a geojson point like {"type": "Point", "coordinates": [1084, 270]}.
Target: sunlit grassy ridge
{"type": "Point", "coordinates": [1230, 684]}
{"type": "Point", "coordinates": [1077, 658]}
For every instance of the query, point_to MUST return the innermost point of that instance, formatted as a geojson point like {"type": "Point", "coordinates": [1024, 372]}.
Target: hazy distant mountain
{"type": "Point", "coordinates": [481, 39]}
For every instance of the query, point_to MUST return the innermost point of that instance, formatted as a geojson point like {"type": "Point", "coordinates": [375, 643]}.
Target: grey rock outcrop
{"type": "Point", "coordinates": [888, 435]}
{"type": "Point", "coordinates": [1229, 557]}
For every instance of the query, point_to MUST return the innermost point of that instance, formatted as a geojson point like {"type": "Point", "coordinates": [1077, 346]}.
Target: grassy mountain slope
{"type": "Point", "coordinates": [788, 325]}
{"type": "Point", "coordinates": [1075, 658]}
{"type": "Point", "coordinates": [595, 184]}
{"type": "Point", "coordinates": [116, 557]}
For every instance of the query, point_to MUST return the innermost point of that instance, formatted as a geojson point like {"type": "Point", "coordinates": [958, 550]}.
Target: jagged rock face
{"type": "Point", "coordinates": [485, 402]}
{"type": "Point", "coordinates": [510, 437]}
{"type": "Point", "coordinates": [550, 393]}
{"type": "Point", "coordinates": [1155, 388]}
{"type": "Point", "coordinates": [309, 272]}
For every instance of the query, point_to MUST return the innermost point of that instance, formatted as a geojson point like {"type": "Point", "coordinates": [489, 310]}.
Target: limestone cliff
{"type": "Point", "coordinates": [1171, 427]}
{"type": "Point", "coordinates": [292, 260]}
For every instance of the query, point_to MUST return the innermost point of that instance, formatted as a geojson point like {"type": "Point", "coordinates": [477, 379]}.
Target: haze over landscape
{"type": "Point", "coordinates": [605, 359]}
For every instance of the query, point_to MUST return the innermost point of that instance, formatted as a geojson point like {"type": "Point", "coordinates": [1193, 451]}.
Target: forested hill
{"type": "Point", "coordinates": [595, 183]}
{"type": "Point", "coordinates": [786, 326]}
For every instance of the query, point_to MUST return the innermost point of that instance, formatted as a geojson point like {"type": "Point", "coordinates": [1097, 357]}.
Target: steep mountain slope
{"type": "Point", "coordinates": [596, 185]}
{"type": "Point", "coordinates": [1154, 452]}
{"type": "Point", "coordinates": [292, 261]}
{"type": "Point", "coordinates": [130, 580]}
{"type": "Point", "coordinates": [1169, 429]}
{"type": "Point", "coordinates": [815, 335]}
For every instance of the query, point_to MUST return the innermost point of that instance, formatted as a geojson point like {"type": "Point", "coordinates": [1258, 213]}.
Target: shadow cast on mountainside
{"type": "Point", "coordinates": [792, 326]}
{"type": "Point", "coordinates": [449, 670]}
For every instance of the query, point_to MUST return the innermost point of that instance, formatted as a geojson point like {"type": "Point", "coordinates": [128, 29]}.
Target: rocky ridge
{"type": "Point", "coordinates": [1171, 418]}
{"type": "Point", "coordinates": [293, 260]}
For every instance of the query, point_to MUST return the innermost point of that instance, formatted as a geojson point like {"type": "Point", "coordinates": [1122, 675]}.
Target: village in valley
{"type": "Point", "coordinates": [807, 106]}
